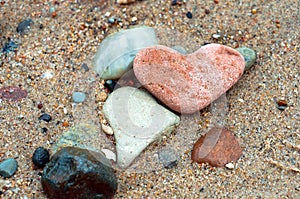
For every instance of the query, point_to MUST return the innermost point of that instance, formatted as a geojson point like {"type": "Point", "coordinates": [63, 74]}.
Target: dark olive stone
{"type": "Point", "coordinates": [40, 157]}
{"type": "Point", "coordinates": [79, 174]}
{"type": "Point", "coordinates": [189, 15]}
{"type": "Point", "coordinates": [110, 85]}
{"type": "Point", "coordinates": [45, 117]}
{"type": "Point", "coordinates": [24, 25]}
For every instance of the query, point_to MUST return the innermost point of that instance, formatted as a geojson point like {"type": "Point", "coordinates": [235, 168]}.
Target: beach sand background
{"type": "Point", "coordinates": [61, 41]}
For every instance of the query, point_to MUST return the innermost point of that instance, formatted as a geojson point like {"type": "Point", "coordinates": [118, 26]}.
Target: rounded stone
{"type": "Point", "coordinates": [45, 117]}
{"type": "Point", "coordinates": [168, 158]}
{"type": "Point", "coordinates": [249, 56]}
{"type": "Point", "coordinates": [78, 174]}
{"type": "Point", "coordinates": [188, 83]}
{"type": "Point", "coordinates": [8, 167]}
{"type": "Point", "coordinates": [117, 51]}
{"type": "Point", "coordinates": [40, 157]}
{"type": "Point", "coordinates": [217, 148]}
{"type": "Point", "coordinates": [24, 25]}
{"type": "Point", "coordinates": [78, 97]}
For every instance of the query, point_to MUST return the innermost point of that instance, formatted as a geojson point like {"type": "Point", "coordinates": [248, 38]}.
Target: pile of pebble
{"type": "Point", "coordinates": [184, 84]}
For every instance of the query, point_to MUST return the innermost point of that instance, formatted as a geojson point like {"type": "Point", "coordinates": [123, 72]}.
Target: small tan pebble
{"type": "Point", "coordinates": [102, 96]}
{"type": "Point", "coordinates": [125, 1]}
{"type": "Point", "coordinates": [107, 129]}
{"type": "Point", "coordinates": [229, 165]}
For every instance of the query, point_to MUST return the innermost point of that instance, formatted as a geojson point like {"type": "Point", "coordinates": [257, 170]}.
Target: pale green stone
{"type": "Point", "coordinates": [78, 97]}
{"type": "Point", "coordinates": [8, 167]}
{"type": "Point", "coordinates": [137, 120]}
{"type": "Point", "coordinates": [118, 50]}
{"type": "Point", "coordinates": [249, 56]}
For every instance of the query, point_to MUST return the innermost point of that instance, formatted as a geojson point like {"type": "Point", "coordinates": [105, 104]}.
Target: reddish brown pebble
{"type": "Point", "coordinates": [282, 103]}
{"type": "Point", "coordinates": [13, 93]}
{"type": "Point", "coordinates": [217, 148]}
{"type": "Point", "coordinates": [40, 106]}
{"type": "Point", "coordinates": [65, 124]}
{"type": "Point", "coordinates": [216, 1]}
{"type": "Point", "coordinates": [188, 83]}
{"type": "Point", "coordinates": [54, 14]}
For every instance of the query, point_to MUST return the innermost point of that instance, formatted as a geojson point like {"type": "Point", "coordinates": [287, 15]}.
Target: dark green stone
{"type": "Point", "coordinates": [79, 174]}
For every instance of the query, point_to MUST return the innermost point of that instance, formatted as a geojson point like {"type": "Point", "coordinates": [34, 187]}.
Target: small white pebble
{"type": "Point", "coordinates": [107, 129]}
{"type": "Point", "coordinates": [65, 111]}
{"type": "Point", "coordinates": [109, 154]}
{"type": "Point", "coordinates": [241, 100]}
{"type": "Point", "coordinates": [133, 19]}
{"type": "Point", "coordinates": [47, 75]}
{"type": "Point", "coordinates": [229, 165]}
{"type": "Point", "coordinates": [216, 36]}
{"type": "Point", "coordinates": [107, 14]}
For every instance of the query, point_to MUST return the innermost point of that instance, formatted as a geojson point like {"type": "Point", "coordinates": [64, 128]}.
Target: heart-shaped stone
{"type": "Point", "coordinates": [188, 83]}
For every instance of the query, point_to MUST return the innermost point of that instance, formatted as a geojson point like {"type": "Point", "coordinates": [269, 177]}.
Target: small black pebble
{"type": "Point", "coordinates": [23, 26]}
{"type": "Point", "coordinates": [44, 130]}
{"type": "Point", "coordinates": [206, 43]}
{"type": "Point", "coordinates": [110, 85]}
{"type": "Point", "coordinates": [174, 3]}
{"type": "Point", "coordinates": [40, 157]}
{"type": "Point", "coordinates": [45, 117]}
{"type": "Point", "coordinates": [189, 15]}
{"type": "Point", "coordinates": [207, 11]}
{"type": "Point", "coordinates": [1, 192]}
{"type": "Point", "coordinates": [41, 26]}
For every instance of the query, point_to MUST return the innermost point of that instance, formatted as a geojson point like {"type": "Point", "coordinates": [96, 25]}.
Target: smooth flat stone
{"type": "Point", "coordinates": [249, 56]}
{"type": "Point", "coordinates": [80, 174]}
{"type": "Point", "coordinates": [118, 50]}
{"type": "Point", "coordinates": [188, 83]}
{"type": "Point", "coordinates": [168, 158]}
{"type": "Point", "coordinates": [217, 147]}
{"type": "Point", "coordinates": [78, 97]}
{"type": "Point", "coordinates": [8, 167]}
{"type": "Point", "coordinates": [137, 120]}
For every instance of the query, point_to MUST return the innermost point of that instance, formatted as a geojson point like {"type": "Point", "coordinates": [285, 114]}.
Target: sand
{"type": "Point", "coordinates": [61, 42]}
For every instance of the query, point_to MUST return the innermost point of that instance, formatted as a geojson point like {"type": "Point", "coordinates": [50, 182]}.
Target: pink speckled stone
{"type": "Point", "coordinates": [188, 83]}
